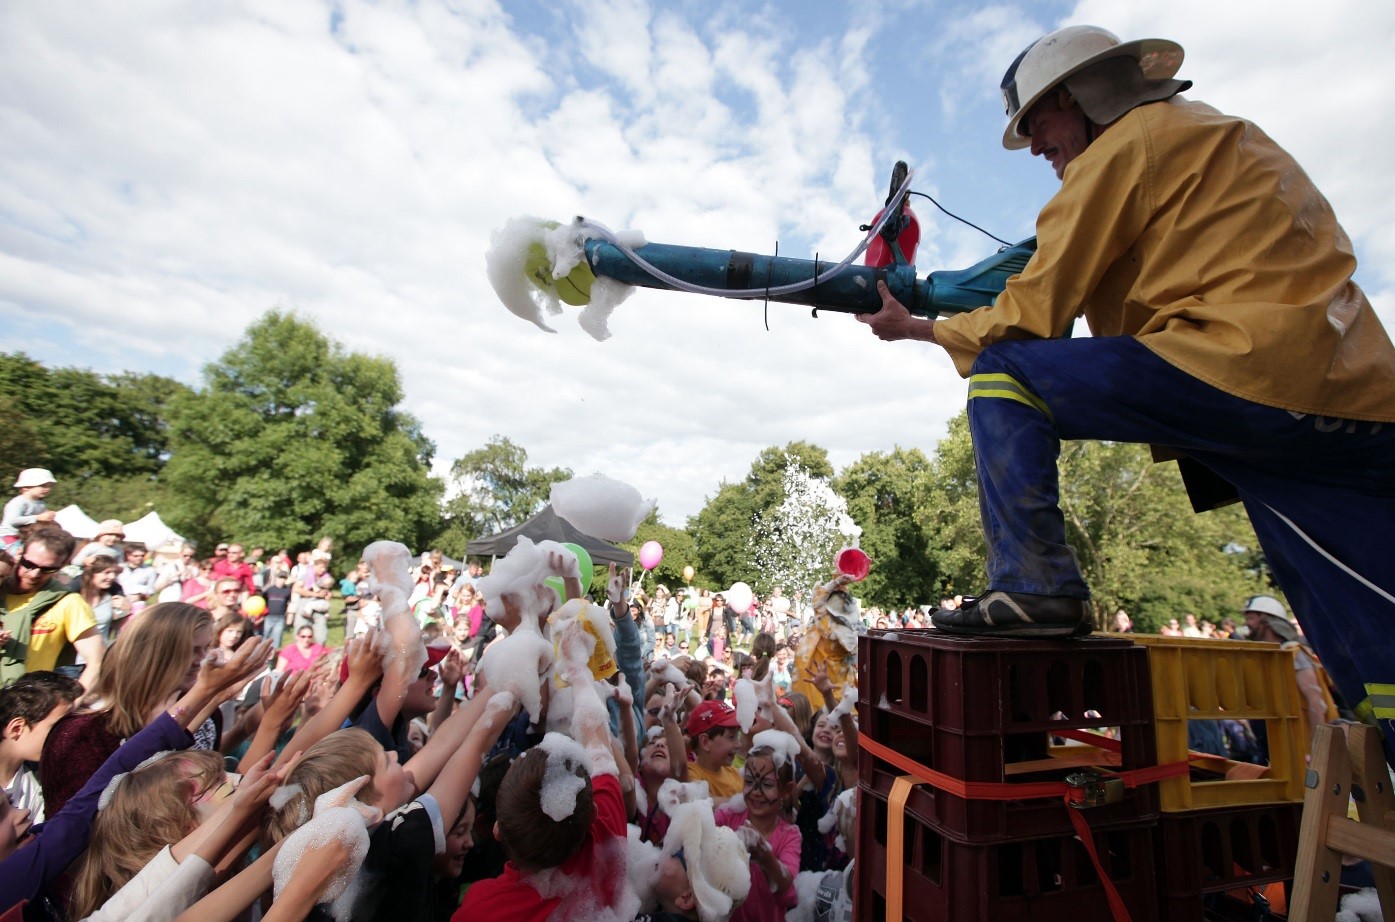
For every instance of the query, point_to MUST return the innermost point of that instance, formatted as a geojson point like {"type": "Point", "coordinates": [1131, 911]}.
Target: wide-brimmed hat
{"type": "Point", "coordinates": [111, 527]}
{"type": "Point", "coordinates": [1047, 62]}
{"type": "Point", "coordinates": [33, 477]}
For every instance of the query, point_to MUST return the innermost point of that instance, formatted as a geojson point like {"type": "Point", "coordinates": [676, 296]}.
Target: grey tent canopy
{"type": "Point", "coordinates": [547, 525]}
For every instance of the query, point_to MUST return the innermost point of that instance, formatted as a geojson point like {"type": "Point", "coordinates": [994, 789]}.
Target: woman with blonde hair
{"type": "Point", "coordinates": [153, 661]}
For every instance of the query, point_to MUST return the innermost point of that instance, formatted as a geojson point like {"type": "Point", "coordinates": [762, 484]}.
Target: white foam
{"type": "Point", "coordinates": [400, 640]}
{"type": "Point", "coordinates": [505, 263]}
{"type": "Point", "coordinates": [745, 694]}
{"type": "Point", "coordinates": [339, 816]}
{"type": "Point", "coordinates": [518, 664]}
{"type": "Point", "coordinates": [806, 890]}
{"type": "Point", "coordinates": [520, 574]}
{"type": "Point", "coordinates": [642, 867]}
{"type": "Point", "coordinates": [847, 704]}
{"type": "Point", "coordinates": [719, 866]}
{"type": "Point", "coordinates": [784, 746]}
{"type": "Point", "coordinates": [674, 793]}
{"type": "Point", "coordinates": [601, 506]}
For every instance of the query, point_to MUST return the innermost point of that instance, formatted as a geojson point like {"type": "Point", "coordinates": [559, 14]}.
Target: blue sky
{"type": "Point", "coordinates": [170, 171]}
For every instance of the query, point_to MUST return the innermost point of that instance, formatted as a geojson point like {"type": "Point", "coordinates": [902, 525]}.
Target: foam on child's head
{"type": "Point", "coordinates": [561, 784]}
{"type": "Point", "coordinates": [718, 865]}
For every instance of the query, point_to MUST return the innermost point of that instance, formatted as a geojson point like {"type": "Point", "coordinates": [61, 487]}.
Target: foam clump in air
{"type": "Point", "coordinates": [719, 869]}
{"type": "Point", "coordinates": [518, 664]}
{"type": "Point", "coordinates": [520, 576]}
{"type": "Point", "coordinates": [339, 816]}
{"type": "Point", "coordinates": [601, 506]}
{"type": "Point", "coordinates": [783, 746]}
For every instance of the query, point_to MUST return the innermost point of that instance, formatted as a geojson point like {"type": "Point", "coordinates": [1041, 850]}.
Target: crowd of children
{"type": "Point", "coordinates": [497, 747]}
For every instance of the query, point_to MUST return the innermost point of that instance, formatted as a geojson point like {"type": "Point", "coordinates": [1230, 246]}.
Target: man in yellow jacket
{"type": "Point", "coordinates": [1226, 327]}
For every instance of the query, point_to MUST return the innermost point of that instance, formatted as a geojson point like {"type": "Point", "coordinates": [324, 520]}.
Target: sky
{"type": "Point", "coordinates": [170, 171]}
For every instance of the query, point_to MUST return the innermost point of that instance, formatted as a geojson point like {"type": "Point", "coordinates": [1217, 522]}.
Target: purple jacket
{"type": "Point", "coordinates": [63, 837]}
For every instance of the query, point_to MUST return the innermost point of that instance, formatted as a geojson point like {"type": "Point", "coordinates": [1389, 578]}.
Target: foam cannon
{"type": "Point", "coordinates": [584, 263]}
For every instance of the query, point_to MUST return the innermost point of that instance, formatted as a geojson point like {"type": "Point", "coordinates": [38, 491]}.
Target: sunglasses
{"type": "Point", "coordinates": [24, 563]}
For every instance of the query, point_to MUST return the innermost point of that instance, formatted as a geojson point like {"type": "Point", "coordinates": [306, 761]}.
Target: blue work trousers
{"type": "Point", "coordinates": [1319, 491]}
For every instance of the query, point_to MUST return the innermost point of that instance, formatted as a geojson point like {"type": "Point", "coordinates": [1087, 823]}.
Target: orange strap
{"type": "Point", "coordinates": [998, 790]}
{"type": "Point", "coordinates": [895, 843]}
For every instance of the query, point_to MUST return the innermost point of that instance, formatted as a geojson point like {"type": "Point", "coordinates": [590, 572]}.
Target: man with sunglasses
{"type": "Point", "coordinates": [49, 624]}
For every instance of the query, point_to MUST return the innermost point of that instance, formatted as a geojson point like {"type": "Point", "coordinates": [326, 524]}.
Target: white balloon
{"type": "Point", "coordinates": [739, 598]}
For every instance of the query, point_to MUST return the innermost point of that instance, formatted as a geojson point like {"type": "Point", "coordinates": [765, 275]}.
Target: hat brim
{"type": "Point", "coordinates": [1160, 59]}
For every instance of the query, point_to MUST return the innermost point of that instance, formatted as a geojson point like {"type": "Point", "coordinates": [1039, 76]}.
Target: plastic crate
{"type": "Point", "coordinates": [1026, 880]}
{"type": "Point", "coordinates": [985, 711]}
{"type": "Point", "coordinates": [1200, 679]}
{"type": "Point", "coordinates": [1210, 851]}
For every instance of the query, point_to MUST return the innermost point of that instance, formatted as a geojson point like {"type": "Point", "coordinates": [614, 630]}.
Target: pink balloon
{"type": "Point", "coordinates": [650, 554]}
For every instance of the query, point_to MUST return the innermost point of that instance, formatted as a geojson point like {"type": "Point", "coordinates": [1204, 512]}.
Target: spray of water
{"type": "Point", "coordinates": [795, 541]}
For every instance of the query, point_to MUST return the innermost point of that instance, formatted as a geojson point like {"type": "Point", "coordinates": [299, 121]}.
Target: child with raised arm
{"type": "Point", "coordinates": [561, 821]}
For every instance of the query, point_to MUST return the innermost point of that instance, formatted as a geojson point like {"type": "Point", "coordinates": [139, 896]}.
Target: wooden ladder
{"type": "Point", "coordinates": [1344, 765]}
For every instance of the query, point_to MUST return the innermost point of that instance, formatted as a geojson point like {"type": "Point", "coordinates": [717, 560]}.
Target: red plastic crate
{"type": "Point", "coordinates": [1209, 851]}
{"type": "Point", "coordinates": [1028, 880]}
{"type": "Point", "coordinates": [978, 710]}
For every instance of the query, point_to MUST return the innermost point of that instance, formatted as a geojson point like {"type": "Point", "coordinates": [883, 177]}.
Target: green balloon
{"type": "Point", "coordinates": [583, 563]}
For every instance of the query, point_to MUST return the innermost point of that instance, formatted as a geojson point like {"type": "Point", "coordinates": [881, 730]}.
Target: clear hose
{"type": "Point", "coordinates": [601, 232]}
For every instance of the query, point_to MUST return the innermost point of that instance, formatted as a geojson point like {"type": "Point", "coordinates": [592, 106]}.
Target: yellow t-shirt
{"type": "Point", "coordinates": [723, 784]}
{"type": "Point", "coordinates": [65, 622]}
{"type": "Point", "coordinates": [1198, 235]}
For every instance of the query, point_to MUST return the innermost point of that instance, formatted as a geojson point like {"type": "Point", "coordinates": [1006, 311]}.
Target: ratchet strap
{"type": "Point", "coordinates": [1081, 791]}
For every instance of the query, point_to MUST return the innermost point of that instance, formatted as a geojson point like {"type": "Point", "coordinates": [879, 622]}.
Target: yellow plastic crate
{"type": "Point", "coordinates": [1202, 679]}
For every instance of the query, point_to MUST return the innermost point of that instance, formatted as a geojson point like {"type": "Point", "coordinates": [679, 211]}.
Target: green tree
{"type": "Point", "coordinates": [885, 494]}
{"type": "Point", "coordinates": [949, 515]}
{"type": "Point", "coordinates": [292, 438]}
{"type": "Point", "coordinates": [722, 529]}
{"type": "Point", "coordinates": [84, 426]}
{"type": "Point", "coordinates": [495, 489]}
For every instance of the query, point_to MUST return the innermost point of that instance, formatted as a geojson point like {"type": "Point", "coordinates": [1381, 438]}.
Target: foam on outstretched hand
{"type": "Point", "coordinates": [403, 650]}
{"type": "Point", "coordinates": [664, 670]}
{"type": "Point", "coordinates": [848, 703]}
{"type": "Point", "coordinates": [517, 664]}
{"type": "Point", "coordinates": [591, 721]}
{"type": "Point", "coordinates": [583, 640]}
{"type": "Point", "coordinates": [674, 793]}
{"type": "Point", "coordinates": [840, 815]}
{"type": "Point", "coordinates": [520, 574]}
{"type": "Point", "coordinates": [339, 816]}
{"type": "Point", "coordinates": [391, 564]}
{"type": "Point", "coordinates": [784, 746]}
{"type": "Point", "coordinates": [601, 506]}
{"type": "Point", "coordinates": [745, 694]}
{"type": "Point", "coordinates": [719, 866]}
{"type": "Point", "coordinates": [561, 784]}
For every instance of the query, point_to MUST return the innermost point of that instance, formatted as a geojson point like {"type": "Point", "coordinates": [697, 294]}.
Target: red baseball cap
{"type": "Point", "coordinates": [711, 714]}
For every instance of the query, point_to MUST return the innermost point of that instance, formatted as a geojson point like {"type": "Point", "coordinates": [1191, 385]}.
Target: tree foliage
{"type": "Point", "coordinates": [291, 438]}
{"type": "Point", "coordinates": [885, 494]}
{"type": "Point", "coordinates": [722, 529]}
{"type": "Point", "coordinates": [495, 489]}
{"type": "Point", "coordinates": [105, 438]}
{"type": "Point", "coordinates": [794, 541]}
{"type": "Point", "coordinates": [679, 552]}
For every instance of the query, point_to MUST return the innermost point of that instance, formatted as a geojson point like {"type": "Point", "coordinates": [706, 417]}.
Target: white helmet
{"type": "Point", "coordinates": [1266, 605]}
{"type": "Point", "coordinates": [1047, 62]}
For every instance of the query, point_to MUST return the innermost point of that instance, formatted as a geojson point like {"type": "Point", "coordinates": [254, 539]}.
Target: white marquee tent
{"type": "Point", "coordinates": [149, 530]}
